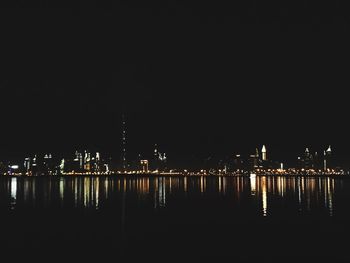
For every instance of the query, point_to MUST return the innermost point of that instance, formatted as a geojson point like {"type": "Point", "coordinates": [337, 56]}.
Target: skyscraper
{"type": "Point", "coordinates": [87, 161]}
{"type": "Point", "coordinates": [156, 158]}
{"type": "Point", "coordinates": [264, 153]}
{"type": "Point", "coordinates": [79, 161]}
{"type": "Point", "coordinates": [97, 162]}
{"type": "Point", "coordinates": [144, 166]}
{"type": "Point", "coordinates": [308, 160]}
{"type": "Point", "coordinates": [27, 164]}
{"type": "Point", "coordinates": [327, 163]}
{"type": "Point", "coordinates": [62, 166]}
{"type": "Point", "coordinates": [256, 158]}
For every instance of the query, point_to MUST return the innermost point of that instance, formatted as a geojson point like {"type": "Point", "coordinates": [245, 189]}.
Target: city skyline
{"type": "Point", "coordinates": [131, 157]}
{"type": "Point", "coordinates": [195, 81]}
{"type": "Point", "coordinates": [125, 152]}
{"type": "Point", "coordinates": [157, 162]}
{"type": "Point", "coordinates": [174, 131]}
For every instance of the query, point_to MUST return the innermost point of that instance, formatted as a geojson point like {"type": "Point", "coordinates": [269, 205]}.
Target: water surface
{"type": "Point", "coordinates": [243, 219]}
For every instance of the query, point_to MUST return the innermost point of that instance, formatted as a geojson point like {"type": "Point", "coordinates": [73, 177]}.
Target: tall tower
{"type": "Point", "coordinates": [156, 155]}
{"type": "Point", "coordinates": [308, 161]}
{"type": "Point", "coordinates": [124, 164]}
{"type": "Point", "coordinates": [97, 162]}
{"type": "Point", "coordinates": [327, 163]}
{"type": "Point", "coordinates": [264, 153]}
{"type": "Point", "coordinates": [156, 158]}
{"type": "Point", "coordinates": [256, 158]}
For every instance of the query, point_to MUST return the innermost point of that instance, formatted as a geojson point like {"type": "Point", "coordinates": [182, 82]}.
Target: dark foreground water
{"type": "Point", "coordinates": [177, 219]}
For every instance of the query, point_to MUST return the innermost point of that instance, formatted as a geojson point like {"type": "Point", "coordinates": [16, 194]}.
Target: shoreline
{"type": "Point", "coordinates": [142, 175]}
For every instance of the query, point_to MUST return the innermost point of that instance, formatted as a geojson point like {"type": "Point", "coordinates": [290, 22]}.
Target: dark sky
{"type": "Point", "coordinates": [196, 78]}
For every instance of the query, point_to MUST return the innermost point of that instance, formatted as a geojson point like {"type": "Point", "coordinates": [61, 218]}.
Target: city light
{"type": "Point", "coordinates": [86, 163]}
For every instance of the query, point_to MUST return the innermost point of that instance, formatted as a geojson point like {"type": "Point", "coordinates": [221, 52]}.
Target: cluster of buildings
{"type": "Point", "coordinates": [255, 161]}
{"type": "Point", "coordinates": [316, 161]}
{"type": "Point", "coordinates": [159, 162]}
{"type": "Point", "coordinates": [47, 164]}
{"type": "Point", "coordinates": [308, 163]}
{"type": "Point", "coordinates": [88, 163]}
{"type": "Point", "coordinates": [91, 163]}
{"type": "Point", "coordinates": [85, 163]}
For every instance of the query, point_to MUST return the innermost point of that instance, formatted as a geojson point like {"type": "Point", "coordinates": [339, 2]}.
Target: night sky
{"type": "Point", "coordinates": [199, 79]}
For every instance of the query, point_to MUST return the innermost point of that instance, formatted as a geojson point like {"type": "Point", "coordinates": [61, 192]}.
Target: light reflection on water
{"type": "Point", "coordinates": [161, 202]}
{"type": "Point", "coordinates": [13, 192]}
{"type": "Point", "coordinates": [266, 193]}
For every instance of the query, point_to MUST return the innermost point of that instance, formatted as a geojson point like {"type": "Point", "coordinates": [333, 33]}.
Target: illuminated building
{"type": "Point", "coordinates": [81, 161]}
{"type": "Point", "coordinates": [62, 166]}
{"type": "Point", "coordinates": [27, 164]}
{"type": "Point", "coordinates": [254, 161]}
{"type": "Point", "coordinates": [12, 169]}
{"type": "Point", "coordinates": [106, 168]}
{"type": "Point", "coordinates": [35, 168]}
{"type": "Point", "coordinates": [256, 158]}
{"type": "Point", "coordinates": [97, 162]}
{"type": "Point", "coordinates": [78, 162]}
{"type": "Point", "coordinates": [327, 161]}
{"type": "Point", "coordinates": [144, 166]}
{"type": "Point", "coordinates": [87, 161]}
{"type": "Point", "coordinates": [163, 161]}
{"type": "Point", "coordinates": [156, 156]}
{"type": "Point", "coordinates": [92, 164]}
{"type": "Point", "coordinates": [307, 161]}
{"type": "Point", "coordinates": [160, 160]}
{"type": "Point", "coordinates": [155, 165]}
{"type": "Point", "coordinates": [264, 153]}
{"type": "Point", "coordinates": [48, 165]}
